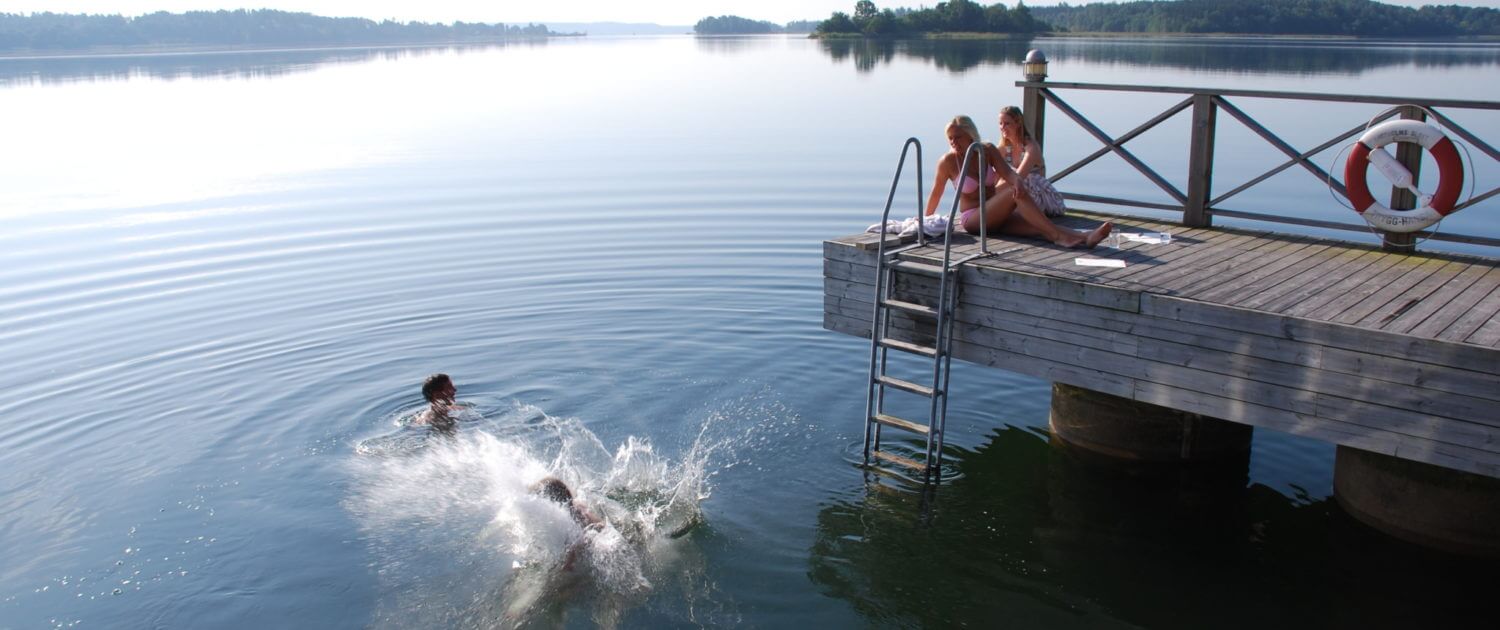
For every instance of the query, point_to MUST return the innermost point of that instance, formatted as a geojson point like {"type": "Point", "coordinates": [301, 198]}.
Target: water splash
{"type": "Point", "coordinates": [459, 539]}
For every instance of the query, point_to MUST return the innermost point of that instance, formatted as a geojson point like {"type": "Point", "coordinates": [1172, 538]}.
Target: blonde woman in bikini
{"type": "Point", "coordinates": [1027, 209]}
{"type": "Point", "coordinates": [962, 132]}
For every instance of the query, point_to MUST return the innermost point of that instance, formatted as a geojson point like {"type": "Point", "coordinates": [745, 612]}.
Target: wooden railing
{"type": "Point", "coordinates": [1198, 205]}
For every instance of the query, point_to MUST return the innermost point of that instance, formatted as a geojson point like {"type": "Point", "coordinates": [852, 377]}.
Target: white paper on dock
{"type": "Point", "coordinates": [1099, 262]}
{"type": "Point", "coordinates": [1150, 238]}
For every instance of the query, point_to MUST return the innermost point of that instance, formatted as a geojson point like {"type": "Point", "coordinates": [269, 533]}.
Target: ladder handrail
{"type": "Point", "coordinates": [875, 325]}
{"type": "Point", "coordinates": [937, 412]}
{"type": "Point", "coordinates": [945, 311]}
{"type": "Point", "coordinates": [940, 373]}
{"type": "Point", "coordinates": [975, 148]}
{"type": "Point", "coordinates": [890, 198]}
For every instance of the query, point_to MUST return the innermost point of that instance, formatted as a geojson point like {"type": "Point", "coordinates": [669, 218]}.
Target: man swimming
{"type": "Point", "coordinates": [439, 392]}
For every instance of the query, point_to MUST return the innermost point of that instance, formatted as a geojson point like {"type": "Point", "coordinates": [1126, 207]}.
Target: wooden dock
{"type": "Point", "coordinates": [1391, 353]}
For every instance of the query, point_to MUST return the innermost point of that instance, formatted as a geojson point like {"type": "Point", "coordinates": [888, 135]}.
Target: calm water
{"type": "Point", "coordinates": [223, 277]}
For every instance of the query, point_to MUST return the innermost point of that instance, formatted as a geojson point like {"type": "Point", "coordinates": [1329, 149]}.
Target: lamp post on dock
{"type": "Point", "coordinates": [1034, 67]}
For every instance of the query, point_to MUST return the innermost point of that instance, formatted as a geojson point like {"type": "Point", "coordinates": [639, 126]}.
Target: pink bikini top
{"type": "Point", "coordinates": [991, 177]}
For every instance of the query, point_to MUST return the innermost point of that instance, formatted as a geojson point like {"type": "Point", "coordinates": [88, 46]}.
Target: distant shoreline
{"type": "Point", "coordinates": [1143, 35]}
{"type": "Point", "coordinates": [149, 50]}
{"type": "Point", "coordinates": [39, 35]}
{"type": "Point", "coordinates": [1356, 38]}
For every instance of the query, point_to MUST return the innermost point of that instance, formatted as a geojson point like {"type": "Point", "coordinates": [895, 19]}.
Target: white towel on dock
{"type": "Point", "coordinates": [933, 226]}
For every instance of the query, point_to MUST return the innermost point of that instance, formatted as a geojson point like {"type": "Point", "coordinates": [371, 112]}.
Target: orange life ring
{"type": "Point", "coordinates": [1432, 208]}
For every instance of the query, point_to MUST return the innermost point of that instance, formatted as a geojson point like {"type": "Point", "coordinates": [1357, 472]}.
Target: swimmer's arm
{"type": "Point", "coordinates": [571, 557]}
{"type": "Point", "coordinates": [442, 407]}
{"type": "Point", "coordinates": [588, 519]}
{"type": "Point", "coordinates": [430, 416]}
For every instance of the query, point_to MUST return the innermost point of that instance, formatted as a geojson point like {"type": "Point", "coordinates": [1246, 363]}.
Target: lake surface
{"type": "Point", "coordinates": [223, 278]}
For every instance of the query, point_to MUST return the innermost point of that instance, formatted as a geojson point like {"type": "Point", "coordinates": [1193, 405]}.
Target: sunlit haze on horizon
{"type": "Point", "coordinates": [666, 12]}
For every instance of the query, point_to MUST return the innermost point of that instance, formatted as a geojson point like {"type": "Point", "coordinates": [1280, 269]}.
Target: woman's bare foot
{"type": "Point", "coordinates": [1098, 235]}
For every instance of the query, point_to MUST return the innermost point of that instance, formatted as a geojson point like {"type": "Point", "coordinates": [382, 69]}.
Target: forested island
{"type": "Point", "coordinates": [1359, 18]}
{"type": "Point", "coordinates": [50, 32]}
{"type": "Point", "coordinates": [736, 25]}
{"type": "Point", "coordinates": [955, 16]}
{"type": "Point", "coordinates": [1356, 18]}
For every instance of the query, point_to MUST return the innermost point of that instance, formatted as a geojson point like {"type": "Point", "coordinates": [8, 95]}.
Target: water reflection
{"type": "Point", "coordinates": [733, 44]}
{"type": "Point", "coordinates": [1229, 54]}
{"type": "Point", "coordinates": [950, 55]}
{"type": "Point", "coordinates": [16, 71]}
{"type": "Point", "coordinates": [1262, 56]}
{"type": "Point", "coordinates": [1060, 538]}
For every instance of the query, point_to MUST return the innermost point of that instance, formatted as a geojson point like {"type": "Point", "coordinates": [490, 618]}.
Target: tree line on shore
{"type": "Point", "coordinates": [1360, 18]}
{"type": "Point", "coordinates": [736, 25]}
{"type": "Point", "coordinates": [955, 16]}
{"type": "Point", "coordinates": [264, 27]}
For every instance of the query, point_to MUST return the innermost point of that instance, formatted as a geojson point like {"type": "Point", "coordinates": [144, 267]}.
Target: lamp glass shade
{"type": "Point", "coordinates": [1035, 70]}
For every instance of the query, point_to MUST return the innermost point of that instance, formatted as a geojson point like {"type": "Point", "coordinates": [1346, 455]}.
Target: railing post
{"type": "Point", "coordinates": [1035, 108]}
{"type": "Point", "coordinates": [1033, 105]}
{"type": "Point", "coordinates": [1200, 162]}
{"type": "Point", "coordinates": [1409, 154]}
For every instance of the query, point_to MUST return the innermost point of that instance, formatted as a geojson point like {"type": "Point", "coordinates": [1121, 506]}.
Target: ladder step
{"type": "Point", "coordinates": [900, 423]}
{"type": "Point", "coordinates": [907, 386]}
{"type": "Point", "coordinates": [912, 266]}
{"type": "Point", "coordinates": [909, 307]}
{"type": "Point", "coordinates": [900, 461]}
{"type": "Point", "coordinates": [904, 247]}
{"type": "Point", "coordinates": [913, 348]}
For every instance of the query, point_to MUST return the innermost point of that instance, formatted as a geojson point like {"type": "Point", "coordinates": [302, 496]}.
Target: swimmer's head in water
{"type": "Point", "coordinates": [554, 490]}
{"type": "Point", "coordinates": [438, 387]}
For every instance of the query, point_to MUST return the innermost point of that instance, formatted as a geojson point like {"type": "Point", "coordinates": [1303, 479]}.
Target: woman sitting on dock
{"type": "Point", "coordinates": [1027, 208]}
{"type": "Point", "coordinates": [962, 132]}
{"type": "Point", "coordinates": [1009, 209]}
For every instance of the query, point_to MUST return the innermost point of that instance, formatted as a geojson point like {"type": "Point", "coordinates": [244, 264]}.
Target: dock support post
{"type": "Point", "coordinates": [1409, 154]}
{"type": "Point", "coordinates": [1097, 501]}
{"type": "Point", "coordinates": [1421, 503]}
{"type": "Point", "coordinates": [1200, 162]}
{"type": "Point", "coordinates": [1135, 430]}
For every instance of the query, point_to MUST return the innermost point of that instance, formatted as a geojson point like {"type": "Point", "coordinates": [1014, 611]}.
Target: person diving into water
{"type": "Point", "coordinates": [534, 588]}
{"type": "Point", "coordinates": [553, 489]}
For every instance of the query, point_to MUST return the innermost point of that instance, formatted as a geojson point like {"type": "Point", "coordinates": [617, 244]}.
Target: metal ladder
{"type": "Point", "coordinates": [888, 266]}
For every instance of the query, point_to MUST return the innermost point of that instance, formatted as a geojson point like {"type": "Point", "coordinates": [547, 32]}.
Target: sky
{"type": "Point", "coordinates": [673, 12]}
